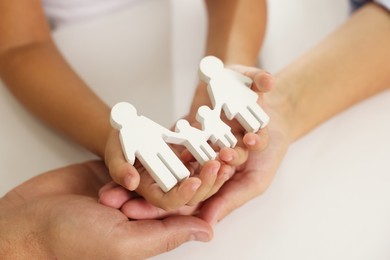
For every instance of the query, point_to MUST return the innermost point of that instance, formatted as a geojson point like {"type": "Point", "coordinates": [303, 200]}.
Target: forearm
{"type": "Point", "coordinates": [350, 65]}
{"type": "Point", "coordinates": [43, 82]}
{"type": "Point", "coordinates": [236, 30]}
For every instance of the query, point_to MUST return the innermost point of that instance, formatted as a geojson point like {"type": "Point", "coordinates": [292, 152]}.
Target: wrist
{"type": "Point", "coordinates": [280, 106]}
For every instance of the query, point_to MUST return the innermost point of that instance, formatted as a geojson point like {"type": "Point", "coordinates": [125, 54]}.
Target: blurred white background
{"type": "Point", "coordinates": [329, 199]}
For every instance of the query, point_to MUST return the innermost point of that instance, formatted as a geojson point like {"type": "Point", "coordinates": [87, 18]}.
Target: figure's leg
{"type": "Point", "coordinates": [222, 141]}
{"type": "Point", "coordinates": [231, 139]}
{"type": "Point", "coordinates": [226, 139]}
{"type": "Point", "coordinates": [173, 163]}
{"type": "Point", "coordinates": [259, 113]}
{"type": "Point", "coordinates": [198, 153]}
{"type": "Point", "coordinates": [159, 171]}
{"type": "Point", "coordinates": [248, 121]}
{"type": "Point", "coordinates": [206, 148]}
{"type": "Point", "coordinates": [202, 153]}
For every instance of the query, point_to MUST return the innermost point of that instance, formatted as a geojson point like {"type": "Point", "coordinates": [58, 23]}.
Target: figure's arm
{"type": "Point", "coordinates": [35, 72]}
{"type": "Point", "coordinates": [235, 30]}
{"type": "Point", "coordinates": [240, 77]}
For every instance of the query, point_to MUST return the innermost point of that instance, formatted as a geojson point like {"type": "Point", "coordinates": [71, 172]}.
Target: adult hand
{"type": "Point", "coordinates": [262, 83]}
{"type": "Point", "coordinates": [56, 215]}
{"type": "Point", "coordinates": [250, 150]}
{"type": "Point", "coordinates": [190, 191]}
{"type": "Point", "coordinates": [254, 176]}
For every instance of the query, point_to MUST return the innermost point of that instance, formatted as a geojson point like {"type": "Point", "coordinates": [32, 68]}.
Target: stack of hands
{"type": "Point", "coordinates": [116, 209]}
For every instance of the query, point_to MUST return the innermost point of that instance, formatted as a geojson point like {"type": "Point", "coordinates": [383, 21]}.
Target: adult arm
{"type": "Point", "coordinates": [348, 66]}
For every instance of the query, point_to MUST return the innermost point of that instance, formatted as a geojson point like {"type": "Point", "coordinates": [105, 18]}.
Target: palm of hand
{"type": "Point", "coordinates": [65, 220]}
{"type": "Point", "coordinates": [252, 178]}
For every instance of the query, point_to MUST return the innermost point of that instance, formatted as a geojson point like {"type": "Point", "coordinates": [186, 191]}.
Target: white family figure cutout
{"type": "Point", "coordinates": [212, 123]}
{"type": "Point", "coordinates": [147, 141]}
{"type": "Point", "coordinates": [230, 91]}
{"type": "Point", "coordinates": [143, 138]}
{"type": "Point", "coordinates": [196, 142]}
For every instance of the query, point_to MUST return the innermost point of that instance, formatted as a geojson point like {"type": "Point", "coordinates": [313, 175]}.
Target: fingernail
{"type": "Point", "coordinates": [229, 158]}
{"type": "Point", "coordinates": [215, 169]}
{"type": "Point", "coordinates": [195, 186]}
{"type": "Point", "coordinates": [200, 236]}
{"type": "Point", "coordinates": [251, 142]}
{"type": "Point", "coordinates": [128, 181]}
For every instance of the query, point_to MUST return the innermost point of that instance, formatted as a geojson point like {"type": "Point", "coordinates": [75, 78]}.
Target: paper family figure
{"type": "Point", "coordinates": [146, 140]}
{"type": "Point", "coordinates": [195, 142]}
{"type": "Point", "coordinates": [212, 123]}
{"type": "Point", "coordinates": [229, 91]}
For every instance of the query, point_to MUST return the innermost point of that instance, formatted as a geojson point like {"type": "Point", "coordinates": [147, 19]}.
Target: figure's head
{"type": "Point", "coordinates": [202, 113]}
{"type": "Point", "coordinates": [209, 67]}
{"type": "Point", "coordinates": [121, 114]}
{"type": "Point", "coordinates": [181, 125]}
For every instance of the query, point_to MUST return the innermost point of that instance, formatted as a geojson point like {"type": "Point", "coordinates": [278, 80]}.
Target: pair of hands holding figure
{"type": "Point", "coordinates": [239, 175]}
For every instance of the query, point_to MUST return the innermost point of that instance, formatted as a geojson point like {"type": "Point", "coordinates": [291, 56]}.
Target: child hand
{"type": "Point", "coordinates": [117, 197]}
{"type": "Point", "coordinates": [202, 183]}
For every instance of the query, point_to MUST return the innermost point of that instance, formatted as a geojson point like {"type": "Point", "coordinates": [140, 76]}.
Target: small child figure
{"type": "Point", "coordinates": [217, 129]}
{"type": "Point", "coordinates": [195, 141]}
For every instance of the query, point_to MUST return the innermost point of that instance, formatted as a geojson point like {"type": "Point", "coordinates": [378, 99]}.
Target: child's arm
{"type": "Point", "coordinates": [236, 30]}
{"type": "Point", "coordinates": [36, 73]}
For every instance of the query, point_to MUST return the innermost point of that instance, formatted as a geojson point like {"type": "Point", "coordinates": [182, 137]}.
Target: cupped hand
{"type": "Point", "coordinates": [202, 183]}
{"type": "Point", "coordinates": [250, 144]}
{"type": "Point", "coordinates": [57, 215]}
{"type": "Point", "coordinates": [254, 176]}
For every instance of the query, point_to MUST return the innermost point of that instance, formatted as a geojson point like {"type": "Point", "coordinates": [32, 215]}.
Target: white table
{"type": "Point", "coordinates": [329, 199]}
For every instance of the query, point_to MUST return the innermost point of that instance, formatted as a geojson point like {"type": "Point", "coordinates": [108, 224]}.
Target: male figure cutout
{"type": "Point", "coordinates": [142, 138]}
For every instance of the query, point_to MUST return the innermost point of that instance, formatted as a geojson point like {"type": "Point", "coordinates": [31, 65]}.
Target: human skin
{"type": "Point", "coordinates": [56, 216]}
{"type": "Point", "coordinates": [39, 77]}
{"type": "Point", "coordinates": [348, 66]}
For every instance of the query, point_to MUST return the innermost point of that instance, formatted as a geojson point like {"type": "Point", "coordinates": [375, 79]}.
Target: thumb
{"type": "Point", "coordinates": [158, 236]}
{"type": "Point", "coordinates": [263, 81]}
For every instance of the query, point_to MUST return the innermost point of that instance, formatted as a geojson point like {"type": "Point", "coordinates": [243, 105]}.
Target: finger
{"type": "Point", "coordinates": [263, 81]}
{"type": "Point", "coordinates": [242, 187]}
{"type": "Point", "coordinates": [161, 236]}
{"type": "Point", "coordinates": [208, 176]}
{"type": "Point", "coordinates": [178, 196]}
{"type": "Point", "coordinates": [257, 141]}
{"type": "Point", "coordinates": [234, 157]}
{"type": "Point", "coordinates": [121, 171]}
{"type": "Point", "coordinates": [139, 208]}
{"type": "Point", "coordinates": [224, 174]}
{"type": "Point", "coordinates": [107, 186]}
{"type": "Point", "coordinates": [113, 195]}
{"type": "Point", "coordinates": [82, 179]}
